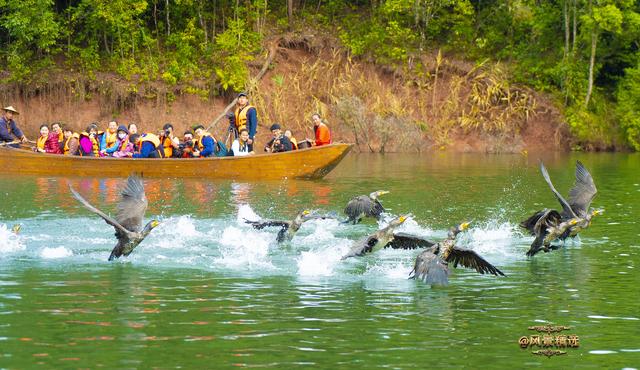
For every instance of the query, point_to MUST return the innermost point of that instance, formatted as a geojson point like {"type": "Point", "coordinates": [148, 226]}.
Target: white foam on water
{"type": "Point", "coordinates": [244, 248]}
{"type": "Point", "coordinates": [245, 212]}
{"type": "Point", "coordinates": [57, 252]}
{"type": "Point", "coordinates": [9, 242]}
{"type": "Point", "coordinates": [494, 238]}
{"type": "Point", "coordinates": [174, 233]}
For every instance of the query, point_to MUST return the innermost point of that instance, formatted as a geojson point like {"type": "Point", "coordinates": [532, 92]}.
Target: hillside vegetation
{"type": "Point", "coordinates": [388, 73]}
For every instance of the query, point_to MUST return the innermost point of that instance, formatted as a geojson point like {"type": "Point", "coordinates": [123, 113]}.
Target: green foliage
{"type": "Point", "coordinates": [235, 47]}
{"type": "Point", "coordinates": [628, 109]}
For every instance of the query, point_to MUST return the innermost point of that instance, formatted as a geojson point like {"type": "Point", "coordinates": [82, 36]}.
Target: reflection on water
{"type": "Point", "coordinates": [205, 288]}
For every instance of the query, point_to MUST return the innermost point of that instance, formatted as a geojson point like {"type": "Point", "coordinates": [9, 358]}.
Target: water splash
{"type": "Point", "coordinates": [9, 242]}
{"type": "Point", "coordinates": [57, 252]}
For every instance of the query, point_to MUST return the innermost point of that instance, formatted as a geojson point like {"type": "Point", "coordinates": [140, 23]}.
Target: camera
{"type": "Point", "coordinates": [167, 132]}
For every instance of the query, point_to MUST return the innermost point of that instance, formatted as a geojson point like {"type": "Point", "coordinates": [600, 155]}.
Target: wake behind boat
{"type": "Point", "coordinates": [310, 163]}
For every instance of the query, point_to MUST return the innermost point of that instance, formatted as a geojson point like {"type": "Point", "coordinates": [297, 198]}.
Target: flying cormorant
{"type": "Point", "coordinates": [549, 224]}
{"type": "Point", "coordinates": [364, 206]}
{"type": "Point", "coordinates": [288, 228]}
{"type": "Point", "coordinates": [128, 221]}
{"type": "Point", "coordinates": [377, 240]}
{"type": "Point", "coordinates": [432, 265]}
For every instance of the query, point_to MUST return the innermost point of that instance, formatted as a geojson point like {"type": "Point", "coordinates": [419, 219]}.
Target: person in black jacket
{"type": "Point", "coordinates": [279, 143]}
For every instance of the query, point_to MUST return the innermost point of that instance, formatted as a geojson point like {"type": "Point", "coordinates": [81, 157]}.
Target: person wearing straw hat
{"type": "Point", "coordinates": [8, 127]}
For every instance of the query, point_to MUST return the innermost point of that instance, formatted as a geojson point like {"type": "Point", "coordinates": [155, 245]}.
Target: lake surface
{"type": "Point", "coordinates": [204, 290]}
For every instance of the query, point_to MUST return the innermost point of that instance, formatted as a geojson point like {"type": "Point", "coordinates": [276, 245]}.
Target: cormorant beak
{"type": "Point", "coordinates": [464, 225]}
{"type": "Point", "coordinates": [155, 223]}
{"type": "Point", "coordinates": [383, 192]}
{"type": "Point", "coordinates": [305, 212]}
{"type": "Point", "coordinates": [573, 221]}
{"type": "Point", "coordinates": [402, 219]}
{"type": "Point", "coordinates": [16, 228]}
{"type": "Point", "coordinates": [597, 212]}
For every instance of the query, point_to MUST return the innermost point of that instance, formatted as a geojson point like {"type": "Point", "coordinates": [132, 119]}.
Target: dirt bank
{"type": "Point", "coordinates": [449, 105]}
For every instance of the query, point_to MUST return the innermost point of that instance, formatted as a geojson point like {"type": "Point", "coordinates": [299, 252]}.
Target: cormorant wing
{"type": "Point", "coordinates": [546, 217]}
{"type": "Point", "coordinates": [408, 241]}
{"type": "Point", "coordinates": [120, 230]}
{"type": "Point", "coordinates": [430, 268]}
{"type": "Point", "coordinates": [567, 211]}
{"type": "Point", "coordinates": [358, 206]}
{"type": "Point", "coordinates": [470, 259]}
{"type": "Point", "coordinates": [133, 205]}
{"type": "Point", "coordinates": [362, 247]}
{"type": "Point", "coordinates": [583, 191]}
{"type": "Point", "coordinates": [262, 224]}
{"type": "Point", "coordinates": [376, 209]}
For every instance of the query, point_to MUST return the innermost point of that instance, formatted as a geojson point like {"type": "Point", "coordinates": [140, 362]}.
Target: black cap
{"type": "Point", "coordinates": [243, 93]}
{"type": "Point", "coordinates": [123, 128]}
{"type": "Point", "coordinates": [275, 126]}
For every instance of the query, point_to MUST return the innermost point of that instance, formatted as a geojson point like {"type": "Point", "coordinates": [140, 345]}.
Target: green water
{"type": "Point", "coordinates": [206, 291]}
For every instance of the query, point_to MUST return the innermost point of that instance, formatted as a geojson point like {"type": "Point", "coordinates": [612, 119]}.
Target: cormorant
{"type": "Point", "coordinates": [128, 221]}
{"type": "Point", "coordinates": [377, 240]}
{"type": "Point", "coordinates": [288, 228]}
{"type": "Point", "coordinates": [432, 265]}
{"type": "Point", "coordinates": [364, 206]}
{"type": "Point", "coordinates": [549, 224]}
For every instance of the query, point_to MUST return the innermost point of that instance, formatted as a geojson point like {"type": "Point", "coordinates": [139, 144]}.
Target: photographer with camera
{"type": "Point", "coordinates": [168, 141]}
{"type": "Point", "coordinates": [279, 143]}
{"type": "Point", "coordinates": [185, 149]}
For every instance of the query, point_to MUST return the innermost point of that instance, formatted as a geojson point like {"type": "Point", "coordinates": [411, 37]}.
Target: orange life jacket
{"type": "Point", "coordinates": [111, 139]}
{"type": "Point", "coordinates": [65, 149]}
{"type": "Point", "coordinates": [241, 117]}
{"type": "Point", "coordinates": [198, 143]}
{"type": "Point", "coordinates": [40, 142]}
{"type": "Point", "coordinates": [168, 148]}
{"type": "Point", "coordinates": [153, 139]}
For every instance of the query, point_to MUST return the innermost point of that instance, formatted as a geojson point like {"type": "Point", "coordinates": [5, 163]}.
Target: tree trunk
{"type": "Point", "coordinates": [168, 24]}
{"type": "Point", "coordinates": [575, 24]}
{"type": "Point", "coordinates": [290, 13]}
{"type": "Point", "coordinates": [565, 14]}
{"type": "Point", "coordinates": [592, 61]}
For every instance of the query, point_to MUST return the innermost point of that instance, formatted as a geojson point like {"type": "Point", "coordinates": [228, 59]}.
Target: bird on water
{"type": "Point", "coordinates": [128, 220]}
{"type": "Point", "coordinates": [548, 225]}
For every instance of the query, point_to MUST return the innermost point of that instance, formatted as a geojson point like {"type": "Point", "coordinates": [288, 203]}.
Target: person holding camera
{"type": "Point", "coordinates": [169, 142]}
{"type": "Point", "coordinates": [185, 148]}
{"type": "Point", "coordinates": [240, 146]}
{"type": "Point", "coordinates": [279, 143]}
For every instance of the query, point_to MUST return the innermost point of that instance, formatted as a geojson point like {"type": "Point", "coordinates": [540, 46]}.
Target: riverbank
{"type": "Point", "coordinates": [457, 106]}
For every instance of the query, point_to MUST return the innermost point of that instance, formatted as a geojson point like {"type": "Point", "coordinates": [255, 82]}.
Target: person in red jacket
{"type": "Point", "coordinates": [47, 142]}
{"type": "Point", "coordinates": [323, 134]}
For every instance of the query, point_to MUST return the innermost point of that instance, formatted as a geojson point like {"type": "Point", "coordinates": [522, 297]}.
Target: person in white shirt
{"type": "Point", "coordinates": [240, 146]}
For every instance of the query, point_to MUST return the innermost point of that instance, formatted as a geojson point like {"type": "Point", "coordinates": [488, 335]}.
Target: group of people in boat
{"type": "Point", "coordinates": [120, 141]}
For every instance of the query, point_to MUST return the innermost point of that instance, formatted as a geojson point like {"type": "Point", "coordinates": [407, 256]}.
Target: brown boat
{"type": "Point", "coordinates": [311, 163]}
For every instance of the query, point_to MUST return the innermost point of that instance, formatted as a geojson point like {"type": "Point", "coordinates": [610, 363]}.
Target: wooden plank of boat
{"type": "Point", "coordinates": [311, 163]}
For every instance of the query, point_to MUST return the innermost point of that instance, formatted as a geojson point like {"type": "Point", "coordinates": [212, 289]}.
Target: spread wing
{"type": "Point", "coordinates": [407, 241]}
{"type": "Point", "coordinates": [362, 247]}
{"type": "Point", "coordinates": [583, 191]}
{"type": "Point", "coordinates": [363, 205]}
{"type": "Point", "coordinates": [567, 211]}
{"type": "Point", "coordinates": [376, 209]}
{"type": "Point", "coordinates": [262, 224]}
{"type": "Point", "coordinates": [430, 268]}
{"type": "Point", "coordinates": [133, 205]}
{"type": "Point", "coordinates": [546, 217]}
{"type": "Point", "coordinates": [470, 259]}
{"type": "Point", "coordinates": [120, 230]}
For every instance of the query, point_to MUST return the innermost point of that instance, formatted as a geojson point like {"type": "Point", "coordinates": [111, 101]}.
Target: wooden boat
{"type": "Point", "coordinates": [311, 163]}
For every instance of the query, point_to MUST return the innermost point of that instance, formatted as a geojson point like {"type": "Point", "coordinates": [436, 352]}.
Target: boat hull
{"type": "Point", "coordinates": [312, 163]}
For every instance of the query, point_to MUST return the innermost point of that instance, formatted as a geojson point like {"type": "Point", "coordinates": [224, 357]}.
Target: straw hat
{"type": "Point", "coordinates": [11, 109]}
